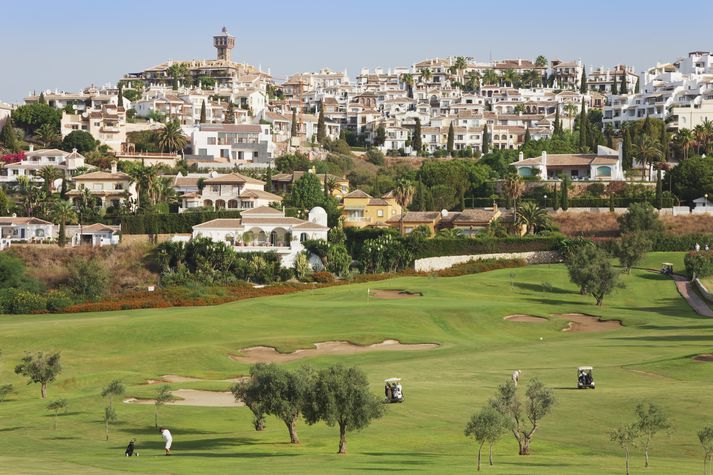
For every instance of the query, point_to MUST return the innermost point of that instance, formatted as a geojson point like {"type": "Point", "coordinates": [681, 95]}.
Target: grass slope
{"type": "Point", "coordinates": [650, 358]}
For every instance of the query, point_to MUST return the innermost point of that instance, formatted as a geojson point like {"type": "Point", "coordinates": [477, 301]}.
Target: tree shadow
{"type": "Point", "coordinates": [246, 455]}
{"type": "Point", "coordinates": [10, 429]}
{"type": "Point", "coordinates": [671, 338]}
{"type": "Point", "coordinates": [541, 287]}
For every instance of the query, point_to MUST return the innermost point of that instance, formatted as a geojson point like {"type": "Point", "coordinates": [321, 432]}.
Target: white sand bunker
{"type": "Point", "coordinates": [268, 354]}
{"type": "Point", "coordinates": [195, 397]}
{"type": "Point", "coordinates": [580, 323]}
{"type": "Point", "coordinates": [393, 294]}
{"type": "Point", "coordinates": [525, 318]}
{"type": "Point", "coordinates": [174, 378]}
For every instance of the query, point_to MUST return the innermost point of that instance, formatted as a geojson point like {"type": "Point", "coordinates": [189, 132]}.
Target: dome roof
{"type": "Point", "coordinates": [317, 211]}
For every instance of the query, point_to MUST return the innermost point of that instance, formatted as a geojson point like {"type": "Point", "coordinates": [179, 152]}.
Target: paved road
{"type": "Point", "coordinates": [688, 291]}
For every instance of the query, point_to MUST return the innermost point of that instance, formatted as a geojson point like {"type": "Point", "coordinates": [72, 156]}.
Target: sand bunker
{"type": "Point", "coordinates": [393, 294]}
{"type": "Point", "coordinates": [525, 319]}
{"type": "Point", "coordinates": [707, 357]}
{"type": "Point", "coordinates": [194, 397]}
{"type": "Point", "coordinates": [580, 323]}
{"type": "Point", "coordinates": [268, 354]}
{"type": "Point", "coordinates": [174, 378]}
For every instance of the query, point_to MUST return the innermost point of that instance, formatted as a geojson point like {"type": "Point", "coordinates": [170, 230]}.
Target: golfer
{"type": "Point", "coordinates": [167, 438]}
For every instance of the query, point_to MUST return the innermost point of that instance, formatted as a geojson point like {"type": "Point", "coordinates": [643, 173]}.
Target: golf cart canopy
{"type": "Point", "coordinates": [392, 380]}
{"type": "Point", "coordinates": [667, 264]}
{"type": "Point", "coordinates": [585, 368]}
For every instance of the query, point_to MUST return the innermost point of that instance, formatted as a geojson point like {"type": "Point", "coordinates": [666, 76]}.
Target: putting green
{"type": "Point", "coordinates": [650, 357]}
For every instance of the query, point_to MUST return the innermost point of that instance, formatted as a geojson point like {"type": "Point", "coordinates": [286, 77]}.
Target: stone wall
{"type": "Point", "coordinates": [430, 264]}
{"type": "Point", "coordinates": [705, 293]}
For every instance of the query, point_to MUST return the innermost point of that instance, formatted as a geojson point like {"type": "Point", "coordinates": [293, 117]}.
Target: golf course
{"type": "Point", "coordinates": [468, 349]}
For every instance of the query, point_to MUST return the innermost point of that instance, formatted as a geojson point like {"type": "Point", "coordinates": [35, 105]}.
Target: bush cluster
{"type": "Point", "coordinates": [699, 264]}
{"type": "Point", "coordinates": [476, 267]}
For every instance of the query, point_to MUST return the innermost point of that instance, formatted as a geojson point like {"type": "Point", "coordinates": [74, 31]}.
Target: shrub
{"type": "Point", "coordinates": [640, 217]}
{"type": "Point", "coordinates": [12, 274]}
{"type": "Point", "coordinates": [338, 260]}
{"type": "Point", "coordinates": [699, 264]}
{"type": "Point", "coordinates": [58, 300]}
{"type": "Point", "coordinates": [87, 279]}
{"type": "Point", "coordinates": [323, 277]}
{"type": "Point", "coordinates": [21, 301]}
{"type": "Point", "coordinates": [478, 266]}
{"type": "Point", "coordinates": [286, 274]}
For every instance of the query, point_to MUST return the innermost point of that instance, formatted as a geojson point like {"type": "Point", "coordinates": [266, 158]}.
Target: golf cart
{"type": "Point", "coordinates": [585, 378]}
{"type": "Point", "coordinates": [393, 391]}
{"type": "Point", "coordinates": [667, 268]}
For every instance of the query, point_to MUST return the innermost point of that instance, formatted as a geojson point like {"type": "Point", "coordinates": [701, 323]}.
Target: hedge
{"type": "Point", "coordinates": [685, 242]}
{"type": "Point", "coordinates": [466, 246]}
{"type": "Point", "coordinates": [699, 264]}
{"type": "Point", "coordinates": [170, 223]}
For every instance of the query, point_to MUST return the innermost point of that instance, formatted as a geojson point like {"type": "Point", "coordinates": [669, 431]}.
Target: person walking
{"type": "Point", "coordinates": [167, 438]}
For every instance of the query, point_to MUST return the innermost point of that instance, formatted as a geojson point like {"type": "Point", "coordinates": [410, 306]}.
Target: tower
{"type": "Point", "coordinates": [224, 43]}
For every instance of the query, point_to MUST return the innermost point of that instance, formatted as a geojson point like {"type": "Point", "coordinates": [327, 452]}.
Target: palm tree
{"type": "Point", "coordinates": [49, 173]}
{"type": "Point", "coordinates": [684, 139]}
{"type": "Point", "coordinates": [490, 77]}
{"type": "Point", "coordinates": [509, 77]}
{"type": "Point", "coordinates": [426, 74]}
{"type": "Point", "coordinates": [30, 194]}
{"type": "Point", "coordinates": [403, 192]}
{"type": "Point", "coordinates": [570, 110]}
{"type": "Point", "coordinates": [531, 216]}
{"type": "Point", "coordinates": [707, 126]}
{"type": "Point", "coordinates": [407, 79]}
{"type": "Point", "coordinates": [161, 189]}
{"type": "Point", "coordinates": [473, 82]}
{"type": "Point", "coordinates": [700, 137]}
{"type": "Point", "coordinates": [649, 152]}
{"type": "Point", "coordinates": [513, 187]}
{"type": "Point", "coordinates": [47, 134]}
{"type": "Point", "coordinates": [63, 212]}
{"type": "Point", "coordinates": [450, 233]}
{"type": "Point", "coordinates": [144, 177]}
{"type": "Point", "coordinates": [171, 138]}
{"type": "Point", "coordinates": [460, 64]}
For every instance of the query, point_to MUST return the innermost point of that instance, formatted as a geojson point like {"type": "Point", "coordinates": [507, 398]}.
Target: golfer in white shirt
{"type": "Point", "coordinates": [167, 438]}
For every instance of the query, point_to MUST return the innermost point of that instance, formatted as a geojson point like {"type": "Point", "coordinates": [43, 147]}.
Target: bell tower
{"type": "Point", "coordinates": [224, 43]}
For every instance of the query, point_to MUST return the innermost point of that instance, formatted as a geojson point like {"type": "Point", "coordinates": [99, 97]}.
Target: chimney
{"type": "Point", "coordinates": [113, 166]}
{"type": "Point", "coordinates": [74, 150]}
{"type": "Point", "coordinates": [520, 157]}
{"type": "Point", "coordinates": [32, 148]}
{"type": "Point", "coordinates": [544, 158]}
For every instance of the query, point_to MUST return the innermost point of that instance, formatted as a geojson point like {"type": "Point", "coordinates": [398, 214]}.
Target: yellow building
{"type": "Point", "coordinates": [361, 209]}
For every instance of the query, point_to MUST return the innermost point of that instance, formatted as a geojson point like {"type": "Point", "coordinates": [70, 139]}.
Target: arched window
{"type": "Point", "coordinates": [604, 171]}
{"type": "Point", "coordinates": [524, 171]}
{"type": "Point", "coordinates": [40, 233]}
{"type": "Point", "coordinates": [303, 237]}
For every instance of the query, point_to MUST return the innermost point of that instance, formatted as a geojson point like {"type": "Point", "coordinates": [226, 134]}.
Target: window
{"type": "Point", "coordinates": [202, 151]}
{"type": "Point", "coordinates": [98, 186]}
{"type": "Point", "coordinates": [215, 188]}
{"type": "Point", "coordinates": [40, 233]}
{"type": "Point", "coordinates": [380, 213]}
{"type": "Point", "coordinates": [211, 140]}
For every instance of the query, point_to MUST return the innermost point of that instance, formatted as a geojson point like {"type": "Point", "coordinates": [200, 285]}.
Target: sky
{"type": "Point", "coordinates": [74, 43]}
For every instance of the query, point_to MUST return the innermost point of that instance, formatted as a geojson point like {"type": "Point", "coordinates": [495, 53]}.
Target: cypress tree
{"type": "Point", "coordinates": [558, 123]}
{"type": "Point", "coordinates": [611, 202]}
{"type": "Point", "coordinates": [420, 200]}
{"type": "Point", "coordinates": [41, 99]}
{"type": "Point", "coordinates": [583, 80]}
{"type": "Point", "coordinates": [527, 138]}
{"type": "Point", "coordinates": [555, 199]}
{"type": "Point", "coordinates": [7, 136]}
{"type": "Point", "coordinates": [664, 141]}
{"type": "Point", "coordinates": [583, 132]}
{"type": "Point", "coordinates": [268, 178]}
{"type": "Point", "coordinates": [120, 99]}
{"type": "Point", "coordinates": [321, 127]}
{"type": "Point", "coordinates": [659, 189]}
{"type": "Point", "coordinates": [293, 128]}
{"type": "Point", "coordinates": [565, 193]}
{"type": "Point", "coordinates": [326, 186]}
{"type": "Point", "coordinates": [614, 88]}
{"type": "Point", "coordinates": [647, 126]}
{"type": "Point", "coordinates": [63, 189]}
{"type": "Point", "coordinates": [486, 139]}
{"type": "Point", "coordinates": [416, 142]}
{"type": "Point", "coordinates": [202, 120]}
{"type": "Point", "coordinates": [451, 139]}
{"type": "Point", "coordinates": [636, 88]}
{"type": "Point", "coordinates": [623, 89]}
{"type": "Point", "coordinates": [626, 150]}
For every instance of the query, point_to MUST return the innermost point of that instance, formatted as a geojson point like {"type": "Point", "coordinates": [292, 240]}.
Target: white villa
{"type": "Point", "coordinates": [230, 191]}
{"type": "Point", "coordinates": [108, 188]}
{"type": "Point", "coordinates": [238, 143]}
{"type": "Point", "coordinates": [67, 162]}
{"type": "Point", "coordinates": [266, 229]}
{"type": "Point", "coordinates": [605, 165]}
{"type": "Point", "coordinates": [95, 235]}
{"type": "Point", "coordinates": [22, 229]}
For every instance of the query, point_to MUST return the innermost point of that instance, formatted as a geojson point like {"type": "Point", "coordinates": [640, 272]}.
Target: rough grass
{"type": "Point", "coordinates": [127, 265]}
{"type": "Point", "coordinates": [649, 358]}
{"type": "Point", "coordinates": [605, 224]}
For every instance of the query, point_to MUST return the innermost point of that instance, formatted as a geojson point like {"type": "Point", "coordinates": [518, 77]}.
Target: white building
{"type": "Point", "coordinates": [22, 229]}
{"type": "Point", "coordinates": [266, 229]}
{"type": "Point", "coordinates": [231, 191]}
{"type": "Point", "coordinates": [67, 162]}
{"type": "Point", "coordinates": [605, 165]}
{"type": "Point", "coordinates": [237, 143]}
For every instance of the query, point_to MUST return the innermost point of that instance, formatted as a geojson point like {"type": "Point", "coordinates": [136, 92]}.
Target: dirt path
{"type": "Point", "coordinates": [174, 378]}
{"type": "Point", "coordinates": [688, 292]}
{"type": "Point", "coordinates": [268, 354]}
{"type": "Point", "coordinates": [195, 397]}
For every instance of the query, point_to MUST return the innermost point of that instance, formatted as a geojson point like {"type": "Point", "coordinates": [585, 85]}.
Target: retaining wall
{"type": "Point", "coordinates": [430, 264]}
{"type": "Point", "coordinates": [705, 293]}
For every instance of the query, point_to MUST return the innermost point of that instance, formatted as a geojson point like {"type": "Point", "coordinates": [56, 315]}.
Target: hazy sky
{"type": "Point", "coordinates": [70, 44]}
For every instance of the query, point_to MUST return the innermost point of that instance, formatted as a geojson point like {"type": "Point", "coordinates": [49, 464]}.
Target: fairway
{"type": "Point", "coordinates": [650, 357]}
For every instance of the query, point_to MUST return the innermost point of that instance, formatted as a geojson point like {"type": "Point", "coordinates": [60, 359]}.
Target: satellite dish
{"type": "Point", "coordinates": [444, 213]}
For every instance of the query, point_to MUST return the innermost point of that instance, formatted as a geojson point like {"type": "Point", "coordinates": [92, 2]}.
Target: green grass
{"type": "Point", "coordinates": [649, 358]}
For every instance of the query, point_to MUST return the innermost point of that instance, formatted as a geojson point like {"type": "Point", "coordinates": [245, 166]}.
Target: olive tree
{"type": "Point", "coordinates": [577, 259]}
{"type": "Point", "coordinates": [41, 367]}
{"type": "Point", "coordinates": [488, 426]}
{"type": "Point", "coordinates": [340, 396]}
{"type": "Point", "coordinates": [56, 406]}
{"type": "Point", "coordinates": [162, 397]}
{"type": "Point", "coordinates": [705, 436]}
{"type": "Point", "coordinates": [523, 418]}
{"type": "Point", "coordinates": [114, 388]}
{"type": "Point", "coordinates": [243, 393]}
{"type": "Point", "coordinates": [652, 420]}
{"type": "Point", "coordinates": [630, 249]}
{"type": "Point", "coordinates": [625, 437]}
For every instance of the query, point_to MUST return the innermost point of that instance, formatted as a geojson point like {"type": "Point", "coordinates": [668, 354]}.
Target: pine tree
{"type": "Point", "coordinates": [623, 89]}
{"type": "Point", "coordinates": [202, 120]}
{"type": "Point", "coordinates": [557, 130]}
{"type": "Point", "coordinates": [583, 80]}
{"type": "Point", "coordinates": [451, 139]}
{"type": "Point", "coordinates": [120, 100]}
{"type": "Point", "coordinates": [614, 87]}
{"type": "Point", "coordinates": [41, 99]}
{"type": "Point", "coordinates": [416, 142]}
{"type": "Point", "coordinates": [7, 136]}
{"type": "Point", "coordinates": [293, 128]}
{"type": "Point", "coordinates": [626, 150]}
{"type": "Point", "coordinates": [321, 127]}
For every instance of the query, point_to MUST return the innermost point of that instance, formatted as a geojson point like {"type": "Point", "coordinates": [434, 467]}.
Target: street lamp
{"type": "Point", "coordinates": [706, 203]}
{"type": "Point", "coordinates": [545, 197]}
